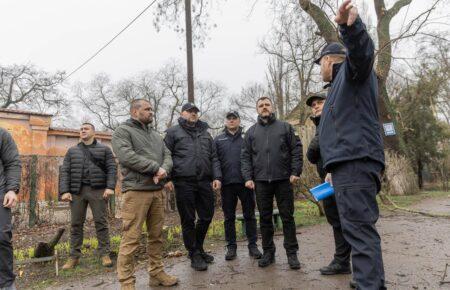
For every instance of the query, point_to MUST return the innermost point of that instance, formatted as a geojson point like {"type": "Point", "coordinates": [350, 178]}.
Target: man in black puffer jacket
{"type": "Point", "coordinates": [10, 173]}
{"type": "Point", "coordinates": [271, 163]}
{"type": "Point", "coordinates": [195, 167]}
{"type": "Point", "coordinates": [351, 144]}
{"type": "Point", "coordinates": [341, 261]}
{"type": "Point", "coordinates": [229, 145]}
{"type": "Point", "coordinates": [88, 176]}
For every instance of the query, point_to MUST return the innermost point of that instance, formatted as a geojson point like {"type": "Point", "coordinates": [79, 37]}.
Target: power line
{"type": "Point", "coordinates": [109, 42]}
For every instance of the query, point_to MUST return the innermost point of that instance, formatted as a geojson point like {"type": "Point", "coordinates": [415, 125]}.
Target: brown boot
{"type": "Point", "coordinates": [71, 263]}
{"type": "Point", "coordinates": [127, 287]}
{"type": "Point", "coordinates": [164, 279]}
{"type": "Point", "coordinates": [106, 261]}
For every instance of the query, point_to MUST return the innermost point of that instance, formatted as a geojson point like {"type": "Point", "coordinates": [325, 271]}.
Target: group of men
{"type": "Point", "coordinates": [254, 167]}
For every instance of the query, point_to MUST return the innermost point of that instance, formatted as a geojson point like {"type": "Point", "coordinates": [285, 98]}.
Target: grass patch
{"type": "Point", "coordinates": [409, 200]}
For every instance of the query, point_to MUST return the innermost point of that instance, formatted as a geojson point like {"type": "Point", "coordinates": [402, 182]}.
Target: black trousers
{"type": "Point", "coordinates": [282, 191]}
{"type": "Point", "coordinates": [230, 194]}
{"type": "Point", "coordinates": [6, 251]}
{"type": "Point", "coordinates": [342, 248]}
{"type": "Point", "coordinates": [194, 197]}
{"type": "Point", "coordinates": [356, 184]}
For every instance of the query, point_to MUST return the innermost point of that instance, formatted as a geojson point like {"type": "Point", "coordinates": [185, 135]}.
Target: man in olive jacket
{"type": "Point", "coordinates": [145, 162]}
{"type": "Point", "coordinates": [10, 171]}
{"type": "Point", "coordinates": [88, 176]}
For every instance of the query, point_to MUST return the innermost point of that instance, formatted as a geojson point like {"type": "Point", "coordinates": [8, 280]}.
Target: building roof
{"type": "Point", "coordinates": [77, 131]}
{"type": "Point", "coordinates": [24, 112]}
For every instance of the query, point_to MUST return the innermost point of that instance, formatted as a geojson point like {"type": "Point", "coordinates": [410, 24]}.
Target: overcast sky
{"type": "Point", "coordinates": [61, 34]}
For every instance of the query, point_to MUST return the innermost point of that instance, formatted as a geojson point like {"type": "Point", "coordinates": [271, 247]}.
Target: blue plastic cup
{"type": "Point", "coordinates": [322, 191]}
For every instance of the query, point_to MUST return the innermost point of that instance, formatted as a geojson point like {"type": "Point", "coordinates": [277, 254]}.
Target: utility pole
{"type": "Point", "coordinates": [190, 69]}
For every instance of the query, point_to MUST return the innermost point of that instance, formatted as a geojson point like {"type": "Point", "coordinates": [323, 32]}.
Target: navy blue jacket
{"type": "Point", "coordinates": [229, 152]}
{"type": "Point", "coordinates": [349, 127]}
{"type": "Point", "coordinates": [271, 151]}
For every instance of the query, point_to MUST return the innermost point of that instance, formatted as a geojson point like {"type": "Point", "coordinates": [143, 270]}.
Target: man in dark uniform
{"type": "Point", "coordinates": [351, 144]}
{"type": "Point", "coordinates": [229, 145]}
{"type": "Point", "coordinates": [195, 174]}
{"type": "Point", "coordinates": [271, 162]}
{"type": "Point", "coordinates": [341, 262]}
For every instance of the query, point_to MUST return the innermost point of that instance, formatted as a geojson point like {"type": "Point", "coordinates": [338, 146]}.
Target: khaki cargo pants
{"type": "Point", "coordinates": [139, 207]}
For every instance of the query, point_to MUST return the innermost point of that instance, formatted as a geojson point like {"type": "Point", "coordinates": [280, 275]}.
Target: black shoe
{"type": "Point", "coordinates": [353, 284]}
{"type": "Point", "coordinates": [231, 253]}
{"type": "Point", "coordinates": [293, 261]}
{"type": "Point", "coordinates": [198, 263]}
{"type": "Point", "coordinates": [254, 252]}
{"type": "Point", "coordinates": [207, 257]}
{"type": "Point", "coordinates": [266, 259]}
{"type": "Point", "coordinates": [335, 269]}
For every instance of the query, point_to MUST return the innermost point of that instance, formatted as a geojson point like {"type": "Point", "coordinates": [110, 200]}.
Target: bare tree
{"type": "Point", "coordinates": [319, 11]}
{"type": "Point", "coordinates": [101, 99]}
{"type": "Point", "coordinates": [25, 86]}
{"type": "Point", "coordinates": [245, 102]}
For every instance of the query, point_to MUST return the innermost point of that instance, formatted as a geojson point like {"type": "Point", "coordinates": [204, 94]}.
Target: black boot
{"type": "Point", "coordinates": [335, 268]}
{"type": "Point", "coordinates": [231, 253]}
{"type": "Point", "coordinates": [207, 257]}
{"type": "Point", "coordinates": [266, 259]}
{"type": "Point", "coordinates": [254, 252]}
{"type": "Point", "coordinates": [293, 261]}
{"type": "Point", "coordinates": [198, 263]}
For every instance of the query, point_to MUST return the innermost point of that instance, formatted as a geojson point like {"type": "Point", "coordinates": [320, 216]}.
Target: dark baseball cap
{"type": "Point", "coordinates": [233, 114]}
{"type": "Point", "coordinates": [315, 96]}
{"type": "Point", "coordinates": [331, 48]}
{"type": "Point", "coordinates": [188, 107]}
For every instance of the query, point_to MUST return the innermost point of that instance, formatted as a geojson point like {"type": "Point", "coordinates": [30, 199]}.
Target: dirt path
{"type": "Point", "coordinates": [415, 249]}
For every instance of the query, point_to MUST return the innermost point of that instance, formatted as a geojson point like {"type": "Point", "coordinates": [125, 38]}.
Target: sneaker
{"type": "Point", "coordinates": [106, 261]}
{"type": "Point", "coordinates": [163, 279]}
{"type": "Point", "coordinates": [198, 263]}
{"type": "Point", "coordinates": [353, 284]}
{"type": "Point", "coordinates": [231, 253]}
{"type": "Point", "coordinates": [335, 269]}
{"type": "Point", "coordinates": [293, 262]}
{"type": "Point", "coordinates": [254, 252]}
{"type": "Point", "coordinates": [71, 263]}
{"type": "Point", "coordinates": [207, 257]}
{"type": "Point", "coordinates": [266, 259]}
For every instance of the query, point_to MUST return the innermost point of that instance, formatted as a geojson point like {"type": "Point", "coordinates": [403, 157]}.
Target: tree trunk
{"type": "Point", "coordinates": [419, 173]}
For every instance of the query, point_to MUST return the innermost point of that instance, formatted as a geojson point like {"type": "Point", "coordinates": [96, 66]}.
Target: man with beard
{"type": "Point", "coordinates": [271, 164]}
{"type": "Point", "coordinates": [145, 162]}
{"type": "Point", "coordinates": [196, 173]}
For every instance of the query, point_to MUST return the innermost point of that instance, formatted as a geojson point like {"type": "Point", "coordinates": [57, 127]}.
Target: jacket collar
{"type": "Point", "coordinates": [316, 120]}
{"type": "Point", "coordinates": [135, 123]}
{"type": "Point", "coordinates": [270, 120]}
{"type": "Point", "coordinates": [199, 125]}
{"type": "Point", "coordinates": [238, 133]}
{"type": "Point", "coordinates": [336, 68]}
{"type": "Point", "coordinates": [93, 143]}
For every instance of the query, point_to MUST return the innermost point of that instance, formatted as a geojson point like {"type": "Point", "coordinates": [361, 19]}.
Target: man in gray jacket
{"type": "Point", "coordinates": [145, 162]}
{"type": "Point", "coordinates": [10, 171]}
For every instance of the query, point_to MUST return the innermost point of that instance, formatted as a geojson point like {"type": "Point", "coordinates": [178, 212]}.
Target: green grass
{"type": "Point", "coordinates": [409, 200]}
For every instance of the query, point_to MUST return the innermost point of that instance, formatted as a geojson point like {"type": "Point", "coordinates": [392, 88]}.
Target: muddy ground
{"type": "Point", "coordinates": [416, 249]}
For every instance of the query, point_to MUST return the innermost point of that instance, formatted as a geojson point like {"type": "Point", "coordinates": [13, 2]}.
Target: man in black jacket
{"type": "Point", "coordinates": [88, 177]}
{"type": "Point", "coordinates": [271, 163]}
{"type": "Point", "coordinates": [351, 145]}
{"type": "Point", "coordinates": [195, 173]}
{"type": "Point", "coordinates": [10, 172]}
{"type": "Point", "coordinates": [341, 261]}
{"type": "Point", "coordinates": [229, 145]}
